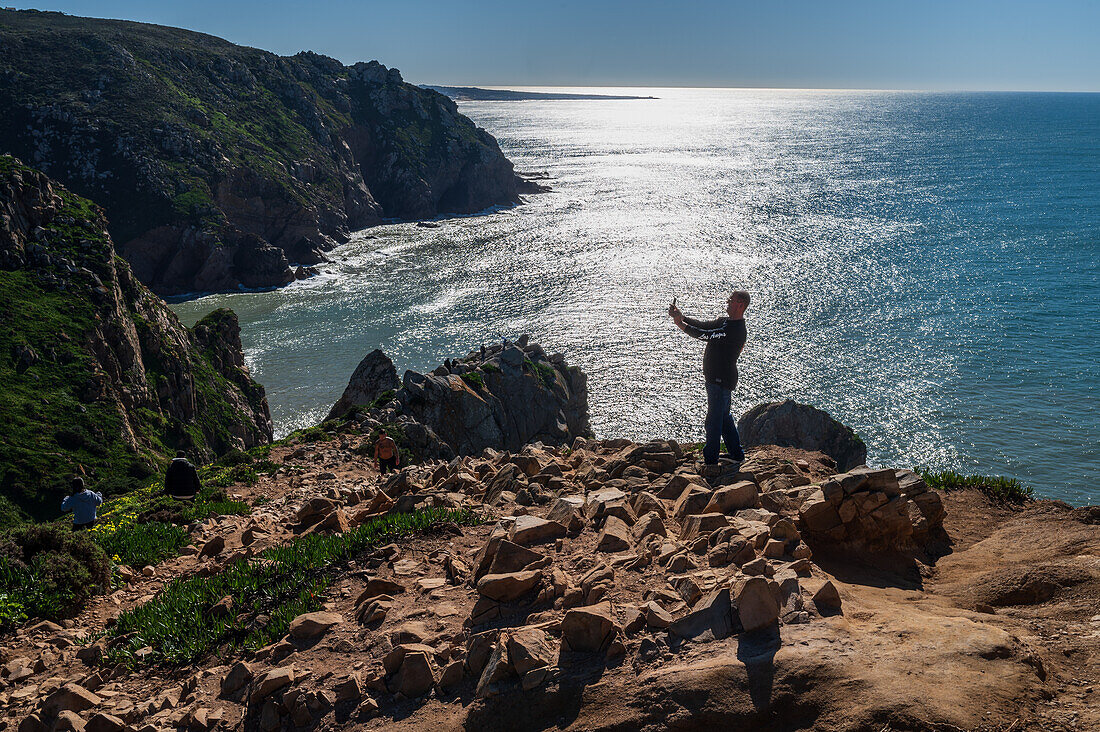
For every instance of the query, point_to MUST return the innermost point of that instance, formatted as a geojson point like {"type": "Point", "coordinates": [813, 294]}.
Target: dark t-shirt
{"type": "Point", "coordinates": [725, 338]}
{"type": "Point", "coordinates": [181, 478]}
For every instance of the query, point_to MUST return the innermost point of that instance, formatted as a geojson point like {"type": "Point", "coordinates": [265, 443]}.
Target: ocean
{"type": "Point", "coordinates": [923, 266]}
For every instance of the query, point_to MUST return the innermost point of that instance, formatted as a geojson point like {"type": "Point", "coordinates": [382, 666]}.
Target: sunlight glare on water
{"type": "Point", "coordinates": [922, 266]}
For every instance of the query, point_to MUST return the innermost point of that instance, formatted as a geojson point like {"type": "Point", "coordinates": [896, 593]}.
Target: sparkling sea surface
{"type": "Point", "coordinates": [923, 266]}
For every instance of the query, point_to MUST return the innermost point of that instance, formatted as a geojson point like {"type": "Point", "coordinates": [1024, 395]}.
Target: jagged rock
{"type": "Point", "coordinates": [692, 500]}
{"type": "Point", "coordinates": [497, 669]}
{"type": "Point", "coordinates": [709, 619]}
{"type": "Point", "coordinates": [528, 649]}
{"type": "Point", "coordinates": [378, 586]}
{"type": "Point", "coordinates": [588, 629]}
{"type": "Point", "coordinates": [656, 616]}
{"type": "Point", "coordinates": [701, 525]}
{"type": "Point", "coordinates": [103, 722]}
{"type": "Point", "coordinates": [615, 536]}
{"type": "Point", "coordinates": [451, 676]}
{"type": "Point", "coordinates": [236, 678]}
{"type": "Point", "coordinates": [270, 682]}
{"type": "Point", "coordinates": [414, 674]}
{"type": "Point", "coordinates": [735, 497]}
{"type": "Point", "coordinates": [70, 697]}
{"type": "Point", "coordinates": [500, 556]}
{"type": "Point", "coordinates": [534, 530]}
{"type": "Point", "coordinates": [33, 723]}
{"type": "Point", "coordinates": [312, 625]}
{"type": "Point", "coordinates": [374, 376]}
{"type": "Point", "coordinates": [510, 586]}
{"type": "Point", "coordinates": [68, 722]}
{"type": "Point", "coordinates": [756, 605]}
{"type": "Point", "coordinates": [213, 547]}
{"type": "Point", "coordinates": [790, 424]}
{"type": "Point", "coordinates": [650, 524]}
{"type": "Point", "coordinates": [825, 596]}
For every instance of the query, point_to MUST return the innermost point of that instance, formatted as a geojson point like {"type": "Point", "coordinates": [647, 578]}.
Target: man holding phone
{"type": "Point", "coordinates": [725, 339]}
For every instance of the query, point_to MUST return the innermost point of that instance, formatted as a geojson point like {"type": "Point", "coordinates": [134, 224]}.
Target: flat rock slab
{"type": "Point", "coordinates": [312, 625]}
{"type": "Point", "coordinates": [534, 530]}
{"type": "Point", "coordinates": [508, 587]}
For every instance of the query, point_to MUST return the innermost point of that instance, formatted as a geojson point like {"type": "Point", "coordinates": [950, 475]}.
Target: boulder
{"type": "Point", "coordinates": [692, 500]}
{"type": "Point", "coordinates": [236, 678]}
{"type": "Point", "coordinates": [70, 697]}
{"type": "Point", "coordinates": [270, 682]}
{"type": "Point", "coordinates": [529, 648]}
{"type": "Point", "coordinates": [534, 530]}
{"type": "Point", "coordinates": [103, 722]}
{"type": "Point", "coordinates": [615, 536]}
{"type": "Point", "coordinates": [756, 605]}
{"type": "Point", "coordinates": [312, 625]}
{"type": "Point", "coordinates": [790, 424]}
{"type": "Point", "coordinates": [650, 524]}
{"type": "Point", "coordinates": [588, 629]}
{"type": "Point", "coordinates": [415, 676]}
{"type": "Point", "coordinates": [702, 524]}
{"type": "Point", "coordinates": [510, 586]}
{"type": "Point", "coordinates": [709, 619]}
{"type": "Point", "coordinates": [374, 376]}
{"type": "Point", "coordinates": [732, 498]}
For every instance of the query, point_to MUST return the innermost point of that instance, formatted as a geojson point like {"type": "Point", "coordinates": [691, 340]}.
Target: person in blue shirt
{"type": "Point", "coordinates": [83, 503]}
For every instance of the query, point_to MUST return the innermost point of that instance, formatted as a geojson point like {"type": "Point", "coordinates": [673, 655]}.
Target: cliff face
{"type": "Point", "coordinates": [95, 370]}
{"type": "Point", "coordinates": [219, 165]}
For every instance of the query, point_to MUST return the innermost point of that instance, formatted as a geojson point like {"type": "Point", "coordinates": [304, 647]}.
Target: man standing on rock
{"type": "Point", "coordinates": [386, 455]}
{"type": "Point", "coordinates": [725, 338]}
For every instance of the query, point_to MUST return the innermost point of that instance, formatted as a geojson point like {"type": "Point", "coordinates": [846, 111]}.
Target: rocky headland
{"type": "Point", "coordinates": [222, 166]}
{"type": "Point", "coordinates": [99, 376]}
{"type": "Point", "coordinates": [575, 583]}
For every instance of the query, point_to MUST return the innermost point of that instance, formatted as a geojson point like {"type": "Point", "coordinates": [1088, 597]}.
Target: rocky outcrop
{"type": "Point", "coordinates": [222, 166]}
{"type": "Point", "coordinates": [501, 397]}
{"type": "Point", "coordinates": [98, 373]}
{"type": "Point", "coordinates": [374, 376]}
{"type": "Point", "coordinates": [790, 424]}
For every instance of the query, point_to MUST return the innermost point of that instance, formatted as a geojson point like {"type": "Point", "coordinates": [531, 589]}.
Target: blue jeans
{"type": "Point", "coordinates": [720, 425]}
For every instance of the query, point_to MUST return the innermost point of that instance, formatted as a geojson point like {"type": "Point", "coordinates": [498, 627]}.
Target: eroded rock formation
{"type": "Point", "coordinates": [790, 424]}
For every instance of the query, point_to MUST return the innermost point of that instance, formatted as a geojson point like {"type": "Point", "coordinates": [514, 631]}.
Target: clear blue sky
{"type": "Point", "coordinates": [883, 44]}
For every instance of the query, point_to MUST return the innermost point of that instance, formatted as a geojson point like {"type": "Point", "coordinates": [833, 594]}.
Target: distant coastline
{"type": "Point", "coordinates": [473, 93]}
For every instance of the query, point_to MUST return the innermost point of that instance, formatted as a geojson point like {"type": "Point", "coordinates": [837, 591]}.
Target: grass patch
{"type": "Point", "coordinates": [474, 379]}
{"type": "Point", "coordinates": [490, 367]}
{"type": "Point", "coordinates": [268, 592]}
{"type": "Point", "coordinates": [144, 543]}
{"type": "Point", "coordinates": [1007, 490]}
{"type": "Point", "coordinates": [543, 371]}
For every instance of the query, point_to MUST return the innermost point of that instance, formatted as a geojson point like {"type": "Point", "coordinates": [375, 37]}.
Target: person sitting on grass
{"type": "Point", "coordinates": [181, 480]}
{"type": "Point", "coordinates": [83, 503]}
{"type": "Point", "coordinates": [386, 455]}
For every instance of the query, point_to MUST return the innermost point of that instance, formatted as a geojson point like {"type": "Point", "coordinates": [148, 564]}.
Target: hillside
{"type": "Point", "coordinates": [97, 373]}
{"type": "Point", "coordinates": [602, 586]}
{"type": "Point", "coordinates": [222, 166]}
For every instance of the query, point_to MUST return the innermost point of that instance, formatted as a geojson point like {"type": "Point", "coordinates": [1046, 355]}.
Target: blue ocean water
{"type": "Point", "coordinates": [923, 266]}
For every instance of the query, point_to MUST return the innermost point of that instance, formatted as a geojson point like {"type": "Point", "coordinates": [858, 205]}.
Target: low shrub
{"type": "Point", "coordinates": [268, 592]}
{"type": "Point", "coordinates": [48, 571]}
{"type": "Point", "coordinates": [1006, 490]}
{"type": "Point", "coordinates": [474, 379]}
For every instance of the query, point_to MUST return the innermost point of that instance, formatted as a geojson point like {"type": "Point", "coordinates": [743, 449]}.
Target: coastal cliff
{"type": "Point", "coordinates": [98, 374]}
{"type": "Point", "coordinates": [222, 166]}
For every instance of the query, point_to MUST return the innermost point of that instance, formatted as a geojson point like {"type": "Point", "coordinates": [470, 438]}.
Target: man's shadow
{"type": "Point", "coordinates": [756, 649]}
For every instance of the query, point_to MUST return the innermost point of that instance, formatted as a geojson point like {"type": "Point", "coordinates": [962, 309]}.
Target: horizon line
{"type": "Point", "coordinates": [947, 90]}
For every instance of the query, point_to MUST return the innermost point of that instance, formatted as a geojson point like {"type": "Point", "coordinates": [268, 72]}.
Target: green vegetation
{"type": "Point", "coordinates": [186, 113]}
{"type": "Point", "coordinates": [141, 544]}
{"type": "Point", "coordinates": [474, 379]}
{"type": "Point", "coordinates": [48, 571]}
{"type": "Point", "coordinates": [1007, 490]}
{"type": "Point", "coordinates": [543, 371]}
{"type": "Point", "coordinates": [60, 396]}
{"type": "Point", "coordinates": [491, 368]}
{"type": "Point", "coordinates": [267, 593]}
